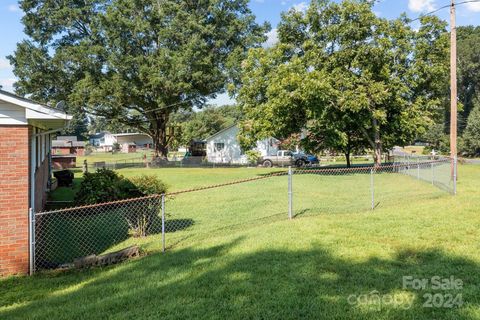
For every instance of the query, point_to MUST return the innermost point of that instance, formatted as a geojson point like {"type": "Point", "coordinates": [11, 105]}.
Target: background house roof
{"type": "Point", "coordinates": [68, 144]}
{"type": "Point", "coordinates": [130, 134]}
{"type": "Point", "coordinates": [67, 138]}
{"type": "Point", "coordinates": [220, 132]}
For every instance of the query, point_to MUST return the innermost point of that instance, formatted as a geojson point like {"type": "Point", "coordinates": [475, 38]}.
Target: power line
{"type": "Point", "coordinates": [443, 7]}
{"type": "Point", "coordinates": [151, 110]}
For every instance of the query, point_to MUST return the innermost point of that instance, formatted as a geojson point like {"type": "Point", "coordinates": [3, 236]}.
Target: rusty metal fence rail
{"type": "Point", "coordinates": [160, 222]}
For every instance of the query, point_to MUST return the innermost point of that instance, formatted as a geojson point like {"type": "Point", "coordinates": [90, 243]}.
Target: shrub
{"type": "Point", "coordinates": [105, 185]}
{"type": "Point", "coordinates": [252, 156]}
{"type": "Point", "coordinates": [116, 147]}
{"type": "Point", "coordinates": [141, 221]}
{"type": "Point", "coordinates": [149, 185]}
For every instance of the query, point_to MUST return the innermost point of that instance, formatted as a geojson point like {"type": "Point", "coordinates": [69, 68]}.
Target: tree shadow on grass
{"type": "Point", "coordinates": [62, 237]}
{"type": "Point", "coordinates": [221, 282]}
{"type": "Point", "coordinates": [174, 225]}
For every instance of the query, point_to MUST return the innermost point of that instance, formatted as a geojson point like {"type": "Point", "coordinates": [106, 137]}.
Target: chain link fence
{"type": "Point", "coordinates": [160, 222]}
{"type": "Point", "coordinates": [439, 171]}
{"type": "Point", "coordinates": [64, 235]}
{"type": "Point", "coordinates": [363, 188]}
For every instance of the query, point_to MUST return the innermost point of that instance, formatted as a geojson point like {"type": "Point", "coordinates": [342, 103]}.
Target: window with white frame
{"type": "Point", "coordinates": [219, 146]}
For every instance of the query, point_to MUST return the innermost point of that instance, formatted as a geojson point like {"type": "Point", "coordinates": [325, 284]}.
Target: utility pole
{"type": "Point", "coordinates": [453, 88]}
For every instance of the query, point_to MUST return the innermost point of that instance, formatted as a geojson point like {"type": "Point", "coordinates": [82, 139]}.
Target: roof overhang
{"type": "Point", "coordinates": [37, 114]}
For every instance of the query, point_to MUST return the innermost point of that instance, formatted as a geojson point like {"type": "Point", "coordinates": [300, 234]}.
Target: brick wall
{"type": "Point", "coordinates": [14, 199]}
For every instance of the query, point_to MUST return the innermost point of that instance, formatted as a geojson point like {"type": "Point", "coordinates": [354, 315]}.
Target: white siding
{"type": "Point", "coordinates": [267, 147]}
{"type": "Point", "coordinates": [12, 114]}
{"type": "Point", "coordinates": [232, 153]}
{"type": "Point", "coordinates": [138, 139]}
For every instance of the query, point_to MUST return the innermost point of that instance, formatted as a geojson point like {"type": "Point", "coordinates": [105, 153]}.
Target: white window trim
{"type": "Point", "coordinates": [217, 149]}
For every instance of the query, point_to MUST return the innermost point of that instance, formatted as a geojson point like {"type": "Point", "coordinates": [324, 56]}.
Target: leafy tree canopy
{"type": "Point", "coordinates": [471, 136]}
{"type": "Point", "coordinates": [346, 76]}
{"type": "Point", "coordinates": [136, 61]}
{"type": "Point", "coordinates": [468, 70]}
{"type": "Point", "coordinates": [204, 123]}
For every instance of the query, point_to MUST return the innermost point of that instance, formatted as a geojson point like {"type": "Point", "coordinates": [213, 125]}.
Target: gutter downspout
{"type": "Point", "coordinates": [31, 211]}
{"type": "Point", "coordinates": [33, 167]}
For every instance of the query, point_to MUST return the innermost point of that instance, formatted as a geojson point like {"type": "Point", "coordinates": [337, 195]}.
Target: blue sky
{"type": "Point", "coordinates": [265, 10]}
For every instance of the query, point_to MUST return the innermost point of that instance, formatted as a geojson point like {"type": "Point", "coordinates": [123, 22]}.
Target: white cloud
{"type": "Point", "coordinates": [272, 38]}
{"type": "Point", "coordinates": [5, 64]}
{"type": "Point", "coordinates": [7, 84]}
{"type": "Point", "coordinates": [13, 8]}
{"type": "Point", "coordinates": [302, 7]}
{"type": "Point", "coordinates": [473, 6]}
{"type": "Point", "coordinates": [421, 5]}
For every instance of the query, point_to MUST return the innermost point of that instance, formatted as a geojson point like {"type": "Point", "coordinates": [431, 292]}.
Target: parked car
{"type": "Point", "coordinates": [285, 158]}
{"type": "Point", "coordinates": [308, 159]}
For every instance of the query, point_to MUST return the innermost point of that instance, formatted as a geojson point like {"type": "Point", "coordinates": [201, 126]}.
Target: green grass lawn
{"type": "Point", "coordinates": [176, 178]}
{"type": "Point", "coordinates": [111, 157]}
{"type": "Point", "coordinates": [232, 253]}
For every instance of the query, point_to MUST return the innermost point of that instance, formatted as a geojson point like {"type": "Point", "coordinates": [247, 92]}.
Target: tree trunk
{"type": "Point", "coordinates": [376, 143]}
{"type": "Point", "coordinates": [348, 152]}
{"type": "Point", "coordinates": [159, 136]}
{"type": "Point", "coordinates": [377, 152]}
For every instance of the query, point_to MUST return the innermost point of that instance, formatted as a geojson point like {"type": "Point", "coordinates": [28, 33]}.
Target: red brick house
{"type": "Point", "coordinates": [68, 145]}
{"type": "Point", "coordinates": [26, 128]}
{"type": "Point", "coordinates": [65, 150]}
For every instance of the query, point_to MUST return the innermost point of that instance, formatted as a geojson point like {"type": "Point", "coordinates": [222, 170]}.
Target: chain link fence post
{"type": "Point", "coordinates": [163, 221]}
{"type": "Point", "coordinates": [372, 188]}
{"type": "Point", "coordinates": [418, 168]}
{"type": "Point", "coordinates": [290, 193]}
{"type": "Point", "coordinates": [455, 175]}
{"type": "Point", "coordinates": [433, 174]}
{"type": "Point", "coordinates": [31, 240]}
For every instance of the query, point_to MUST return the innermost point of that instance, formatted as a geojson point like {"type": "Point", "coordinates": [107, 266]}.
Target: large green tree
{"type": "Point", "coordinates": [471, 136]}
{"type": "Point", "coordinates": [136, 61]}
{"type": "Point", "coordinates": [468, 71]}
{"type": "Point", "coordinates": [348, 76]}
{"type": "Point", "coordinates": [203, 123]}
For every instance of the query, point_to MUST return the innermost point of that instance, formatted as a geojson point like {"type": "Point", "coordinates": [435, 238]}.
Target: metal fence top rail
{"type": "Point", "coordinates": [371, 167]}
{"type": "Point", "coordinates": [266, 176]}
{"type": "Point", "coordinates": [275, 174]}
{"type": "Point", "coordinates": [91, 206]}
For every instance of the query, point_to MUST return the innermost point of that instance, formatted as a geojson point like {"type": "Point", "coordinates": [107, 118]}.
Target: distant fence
{"type": "Point", "coordinates": [160, 222]}
{"type": "Point", "coordinates": [428, 169]}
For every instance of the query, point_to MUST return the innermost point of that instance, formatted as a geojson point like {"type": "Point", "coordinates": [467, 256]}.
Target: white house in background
{"type": "Point", "coordinates": [103, 140]}
{"type": "Point", "coordinates": [106, 140]}
{"type": "Point", "coordinates": [223, 147]}
{"type": "Point", "coordinates": [141, 140]}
